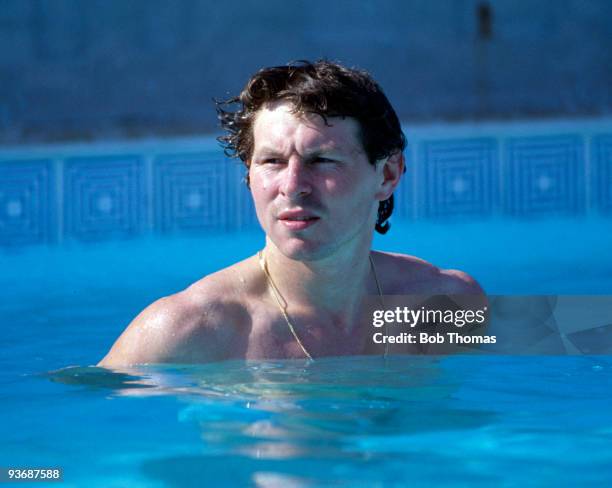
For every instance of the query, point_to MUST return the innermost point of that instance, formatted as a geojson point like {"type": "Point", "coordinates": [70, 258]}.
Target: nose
{"type": "Point", "coordinates": [296, 179]}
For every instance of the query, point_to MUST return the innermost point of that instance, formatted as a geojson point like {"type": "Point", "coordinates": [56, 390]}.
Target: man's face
{"type": "Point", "coordinates": [315, 191]}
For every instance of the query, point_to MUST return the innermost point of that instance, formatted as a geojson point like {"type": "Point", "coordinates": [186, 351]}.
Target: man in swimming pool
{"type": "Point", "coordinates": [324, 153]}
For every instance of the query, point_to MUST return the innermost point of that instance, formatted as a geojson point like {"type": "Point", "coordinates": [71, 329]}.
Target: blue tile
{"type": "Point", "coordinates": [601, 176]}
{"type": "Point", "coordinates": [544, 176]}
{"type": "Point", "coordinates": [28, 208]}
{"type": "Point", "coordinates": [457, 177]}
{"type": "Point", "coordinates": [194, 192]}
{"type": "Point", "coordinates": [104, 197]}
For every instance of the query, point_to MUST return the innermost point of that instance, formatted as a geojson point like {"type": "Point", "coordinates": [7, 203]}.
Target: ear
{"type": "Point", "coordinates": [391, 170]}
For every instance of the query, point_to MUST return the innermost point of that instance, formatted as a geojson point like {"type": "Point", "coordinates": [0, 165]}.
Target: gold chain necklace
{"type": "Point", "coordinates": [282, 304]}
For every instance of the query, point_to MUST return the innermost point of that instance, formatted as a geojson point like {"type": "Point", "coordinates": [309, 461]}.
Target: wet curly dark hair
{"type": "Point", "coordinates": [325, 88]}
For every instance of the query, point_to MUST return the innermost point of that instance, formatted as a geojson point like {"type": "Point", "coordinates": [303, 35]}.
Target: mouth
{"type": "Point", "coordinates": [297, 220]}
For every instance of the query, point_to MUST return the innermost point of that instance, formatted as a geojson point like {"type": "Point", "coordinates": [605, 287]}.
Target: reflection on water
{"type": "Point", "coordinates": [285, 411]}
{"type": "Point", "coordinates": [99, 378]}
{"type": "Point", "coordinates": [360, 421]}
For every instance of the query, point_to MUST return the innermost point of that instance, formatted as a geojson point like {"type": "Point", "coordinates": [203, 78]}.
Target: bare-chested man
{"type": "Point", "coordinates": [324, 152]}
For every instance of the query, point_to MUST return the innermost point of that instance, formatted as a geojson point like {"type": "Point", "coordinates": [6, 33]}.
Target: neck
{"type": "Point", "coordinates": [335, 284]}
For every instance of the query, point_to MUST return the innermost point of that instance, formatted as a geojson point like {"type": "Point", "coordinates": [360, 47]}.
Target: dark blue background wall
{"type": "Point", "coordinates": [80, 69]}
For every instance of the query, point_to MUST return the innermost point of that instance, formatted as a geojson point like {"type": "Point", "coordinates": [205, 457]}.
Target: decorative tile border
{"type": "Point", "coordinates": [91, 192]}
{"type": "Point", "coordinates": [103, 197]}
{"type": "Point", "coordinates": [192, 192]}
{"type": "Point", "coordinates": [28, 208]}
{"type": "Point", "coordinates": [458, 177]}
{"type": "Point", "coordinates": [545, 176]}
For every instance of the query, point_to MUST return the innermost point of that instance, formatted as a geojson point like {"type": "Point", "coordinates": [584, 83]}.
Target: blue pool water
{"type": "Point", "coordinates": [449, 421]}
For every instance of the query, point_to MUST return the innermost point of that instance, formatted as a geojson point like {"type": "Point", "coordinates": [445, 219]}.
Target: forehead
{"type": "Point", "coordinates": [277, 126]}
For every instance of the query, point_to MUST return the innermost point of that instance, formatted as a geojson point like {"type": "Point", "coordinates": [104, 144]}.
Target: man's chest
{"type": "Point", "coordinates": [297, 335]}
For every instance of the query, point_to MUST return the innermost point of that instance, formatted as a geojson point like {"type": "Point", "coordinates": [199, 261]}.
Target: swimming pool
{"type": "Point", "coordinates": [449, 421]}
{"type": "Point", "coordinates": [523, 207]}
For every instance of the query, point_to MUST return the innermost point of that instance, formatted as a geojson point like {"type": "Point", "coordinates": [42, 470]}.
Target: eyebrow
{"type": "Point", "coordinates": [266, 150]}
{"type": "Point", "coordinates": [271, 151]}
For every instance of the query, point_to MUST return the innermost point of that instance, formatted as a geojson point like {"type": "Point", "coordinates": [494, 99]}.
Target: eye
{"type": "Point", "coordinates": [322, 159]}
{"type": "Point", "coordinates": [272, 161]}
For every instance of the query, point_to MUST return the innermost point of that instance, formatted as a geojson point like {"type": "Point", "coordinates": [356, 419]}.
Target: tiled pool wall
{"type": "Point", "coordinates": [110, 190]}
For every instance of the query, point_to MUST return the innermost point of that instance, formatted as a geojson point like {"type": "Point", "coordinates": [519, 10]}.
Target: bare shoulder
{"type": "Point", "coordinates": [199, 324]}
{"type": "Point", "coordinates": [405, 274]}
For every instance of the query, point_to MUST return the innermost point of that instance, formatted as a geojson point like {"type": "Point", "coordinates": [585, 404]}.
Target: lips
{"type": "Point", "coordinates": [297, 219]}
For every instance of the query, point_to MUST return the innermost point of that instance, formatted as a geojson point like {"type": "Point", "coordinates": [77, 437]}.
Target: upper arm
{"type": "Point", "coordinates": [425, 278]}
{"type": "Point", "coordinates": [464, 288]}
{"type": "Point", "coordinates": [206, 322]}
{"type": "Point", "coordinates": [173, 329]}
{"type": "Point", "coordinates": [459, 283]}
{"type": "Point", "coordinates": [149, 338]}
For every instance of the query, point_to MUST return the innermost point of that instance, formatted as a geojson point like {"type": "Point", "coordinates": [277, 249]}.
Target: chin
{"type": "Point", "coordinates": [313, 247]}
{"type": "Point", "coordinates": [301, 250]}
